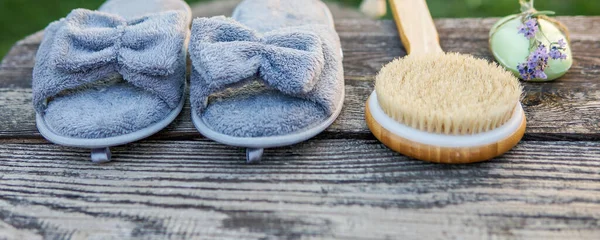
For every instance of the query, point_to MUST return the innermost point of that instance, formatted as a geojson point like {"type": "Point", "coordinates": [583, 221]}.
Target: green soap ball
{"type": "Point", "coordinates": [510, 48]}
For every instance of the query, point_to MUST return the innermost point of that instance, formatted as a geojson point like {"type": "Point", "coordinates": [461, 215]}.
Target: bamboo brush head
{"type": "Point", "coordinates": [447, 93]}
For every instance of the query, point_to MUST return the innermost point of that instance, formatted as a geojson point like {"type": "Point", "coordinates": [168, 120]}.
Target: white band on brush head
{"type": "Point", "coordinates": [441, 140]}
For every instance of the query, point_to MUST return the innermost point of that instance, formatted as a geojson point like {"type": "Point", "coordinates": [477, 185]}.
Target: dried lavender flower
{"type": "Point", "coordinates": [529, 28]}
{"type": "Point", "coordinates": [535, 65]}
{"type": "Point", "coordinates": [531, 45]}
{"type": "Point", "coordinates": [557, 50]}
{"type": "Point", "coordinates": [562, 43]}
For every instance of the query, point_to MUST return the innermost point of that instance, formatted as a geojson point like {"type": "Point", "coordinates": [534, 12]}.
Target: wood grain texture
{"type": "Point", "coordinates": [345, 188]}
{"type": "Point", "coordinates": [566, 109]}
{"type": "Point", "coordinates": [437, 154]}
{"type": "Point", "coordinates": [343, 184]}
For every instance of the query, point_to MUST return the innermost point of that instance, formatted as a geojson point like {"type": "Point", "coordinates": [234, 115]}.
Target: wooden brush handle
{"type": "Point", "coordinates": [416, 26]}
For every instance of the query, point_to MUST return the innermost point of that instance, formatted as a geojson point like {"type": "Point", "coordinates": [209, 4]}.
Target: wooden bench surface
{"type": "Point", "coordinates": [342, 184]}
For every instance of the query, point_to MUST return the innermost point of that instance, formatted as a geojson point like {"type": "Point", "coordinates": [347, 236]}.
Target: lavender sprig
{"type": "Point", "coordinates": [535, 65]}
{"type": "Point", "coordinates": [557, 48]}
{"type": "Point", "coordinates": [529, 28]}
{"type": "Point", "coordinates": [537, 61]}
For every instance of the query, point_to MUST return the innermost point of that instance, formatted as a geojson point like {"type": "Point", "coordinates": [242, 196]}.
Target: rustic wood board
{"type": "Point", "coordinates": [343, 184]}
{"type": "Point", "coordinates": [345, 188]}
{"type": "Point", "coordinates": [566, 109]}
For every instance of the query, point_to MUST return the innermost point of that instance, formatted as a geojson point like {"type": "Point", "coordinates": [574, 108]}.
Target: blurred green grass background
{"type": "Point", "coordinates": [20, 18]}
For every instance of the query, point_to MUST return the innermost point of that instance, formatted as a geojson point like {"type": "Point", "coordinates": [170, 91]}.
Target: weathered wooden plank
{"type": "Point", "coordinates": [562, 112]}
{"type": "Point", "coordinates": [370, 44]}
{"type": "Point", "coordinates": [16, 112]}
{"type": "Point", "coordinates": [566, 109]}
{"type": "Point", "coordinates": [364, 56]}
{"type": "Point", "coordinates": [16, 77]}
{"type": "Point", "coordinates": [344, 188]}
{"type": "Point", "coordinates": [17, 117]}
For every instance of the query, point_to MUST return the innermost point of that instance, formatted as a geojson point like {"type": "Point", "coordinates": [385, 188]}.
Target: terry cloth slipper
{"type": "Point", "coordinates": [113, 76]}
{"type": "Point", "coordinates": [270, 76]}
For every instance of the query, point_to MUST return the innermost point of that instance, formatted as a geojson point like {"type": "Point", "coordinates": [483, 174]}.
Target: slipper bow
{"type": "Point", "coordinates": [227, 52]}
{"type": "Point", "coordinates": [90, 39]}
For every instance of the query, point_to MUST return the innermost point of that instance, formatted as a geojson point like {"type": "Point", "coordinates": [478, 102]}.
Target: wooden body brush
{"type": "Point", "coordinates": [442, 107]}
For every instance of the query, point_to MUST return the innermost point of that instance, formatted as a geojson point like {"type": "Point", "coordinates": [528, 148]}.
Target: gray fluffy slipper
{"type": "Point", "coordinates": [113, 76]}
{"type": "Point", "coordinates": [270, 76]}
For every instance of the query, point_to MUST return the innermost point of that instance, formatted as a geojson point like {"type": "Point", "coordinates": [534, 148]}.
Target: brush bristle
{"type": "Point", "coordinates": [447, 93]}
